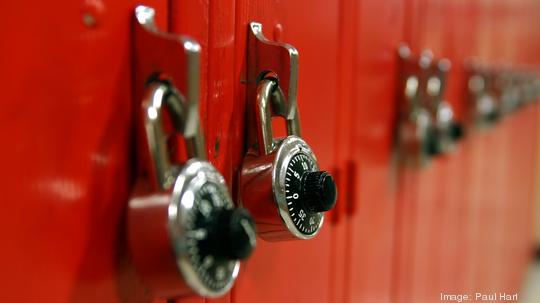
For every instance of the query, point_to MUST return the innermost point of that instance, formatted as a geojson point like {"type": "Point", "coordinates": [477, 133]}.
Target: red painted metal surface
{"type": "Point", "coordinates": [458, 218]}
{"type": "Point", "coordinates": [433, 183]}
{"type": "Point", "coordinates": [397, 235]}
{"type": "Point", "coordinates": [69, 152]}
{"type": "Point", "coordinates": [379, 30]}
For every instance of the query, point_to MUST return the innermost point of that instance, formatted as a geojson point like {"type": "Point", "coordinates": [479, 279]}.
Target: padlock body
{"type": "Point", "coordinates": [162, 228]}
{"type": "Point", "coordinates": [484, 110]}
{"type": "Point", "coordinates": [149, 243]}
{"type": "Point", "coordinates": [257, 196]}
{"type": "Point", "coordinates": [415, 139]}
{"type": "Point", "coordinates": [262, 191]}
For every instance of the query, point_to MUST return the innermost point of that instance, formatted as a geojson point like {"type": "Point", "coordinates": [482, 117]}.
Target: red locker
{"type": "Point", "coordinates": [66, 137]}
{"type": "Point", "coordinates": [379, 30]}
{"type": "Point", "coordinates": [297, 271]}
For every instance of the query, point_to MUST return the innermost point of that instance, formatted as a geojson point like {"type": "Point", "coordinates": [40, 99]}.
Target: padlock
{"type": "Point", "coordinates": [184, 234]}
{"type": "Point", "coordinates": [510, 96]}
{"type": "Point", "coordinates": [484, 96]}
{"type": "Point", "coordinates": [280, 182]}
{"type": "Point", "coordinates": [416, 133]}
{"type": "Point", "coordinates": [447, 129]}
{"type": "Point", "coordinates": [527, 87]}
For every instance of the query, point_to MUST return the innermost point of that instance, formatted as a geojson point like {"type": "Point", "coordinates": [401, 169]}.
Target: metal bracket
{"type": "Point", "coordinates": [415, 125]}
{"type": "Point", "coordinates": [176, 59]}
{"type": "Point", "coordinates": [265, 56]}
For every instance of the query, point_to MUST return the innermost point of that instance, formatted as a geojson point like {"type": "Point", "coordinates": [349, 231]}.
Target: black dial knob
{"type": "Point", "coordinates": [207, 224]}
{"type": "Point", "coordinates": [456, 131]}
{"type": "Point", "coordinates": [319, 191]}
{"type": "Point", "coordinates": [235, 234]}
{"type": "Point", "coordinates": [431, 144]}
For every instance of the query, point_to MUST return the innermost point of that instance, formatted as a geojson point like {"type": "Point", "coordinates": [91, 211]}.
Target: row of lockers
{"type": "Point", "coordinates": [459, 225]}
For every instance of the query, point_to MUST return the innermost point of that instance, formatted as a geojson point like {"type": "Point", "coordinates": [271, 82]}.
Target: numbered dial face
{"type": "Point", "coordinates": [214, 270]}
{"type": "Point", "coordinates": [305, 221]}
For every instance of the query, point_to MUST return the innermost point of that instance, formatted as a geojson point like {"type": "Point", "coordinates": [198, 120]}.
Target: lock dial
{"type": "Point", "coordinates": [303, 193]}
{"type": "Point", "coordinates": [211, 235]}
{"type": "Point", "coordinates": [279, 172]}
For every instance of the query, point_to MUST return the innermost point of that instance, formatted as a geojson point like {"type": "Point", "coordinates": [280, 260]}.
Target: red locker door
{"type": "Point", "coordinates": [294, 271]}
{"type": "Point", "coordinates": [413, 194]}
{"type": "Point", "coordinates": [436, 232]}
{"type": "Point", "coordinates": [211, 24]}
{"type": "Point", "coordinates": [72, 142]}
{"type": "Point", "coordinates": [458, 44]}
{"type": "Point", "coordinates": [432, 206]}
{"type": "Point", "coordinates": [377, 35]}
{"type": "Point", "coordinates": [66, 125]}
{"type": "Point", "coordinates": [345, 164]}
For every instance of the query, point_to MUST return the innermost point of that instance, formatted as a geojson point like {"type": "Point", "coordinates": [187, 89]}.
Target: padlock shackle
{"type": "Point", "coordinates": [160, 59]}
{"type": "Point", "coordinates": [160, 95]}
{"type": "Point", "coordinates": [272, 102]}
{"type": "Point", "coordinates": [280, 58]}
{"type": "Point", "coordinates": [187, 126]}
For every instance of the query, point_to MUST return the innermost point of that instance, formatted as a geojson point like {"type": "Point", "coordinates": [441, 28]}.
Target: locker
{"type": "Point", "coordinates": [295, 270]}
{"type": "Point", "coordinates": [68, 152]}
{"type": "Point", "coordinates": [212, 25]}
{"type": "Point", "coordinates": [379, 29]}
{"type": "Point", "coordinates": [430, 27]}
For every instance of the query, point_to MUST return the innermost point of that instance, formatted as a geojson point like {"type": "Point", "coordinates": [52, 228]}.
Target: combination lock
{"type": "Point", "coordinates": [184, 234]}
{"type": "Point", "coordinates": [484, 104]}
{"type": "Point", "coordinates": [416, 136]}
{"type": "Point", "coordinates": [447, 129]}
{"type": "Point", "coordinates": [427, 126]}
{"type": "Point", "coordinates": [281, 184]}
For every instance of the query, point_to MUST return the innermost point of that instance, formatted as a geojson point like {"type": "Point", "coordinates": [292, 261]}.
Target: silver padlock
{"type": "Point", "coordinates": [280, 181]}
{"type": "Point", "coordinates": [447, 129]}
{"type": "Point", "coordinates": [184, 234]}
{"type": "Point", "coordinates": [484, 106]}
{"type": "Point", "coordinates": [415, 127]}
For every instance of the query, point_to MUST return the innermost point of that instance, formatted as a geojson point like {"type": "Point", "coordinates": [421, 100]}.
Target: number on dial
{"type": "Point", "coordinates": [303, 220]}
